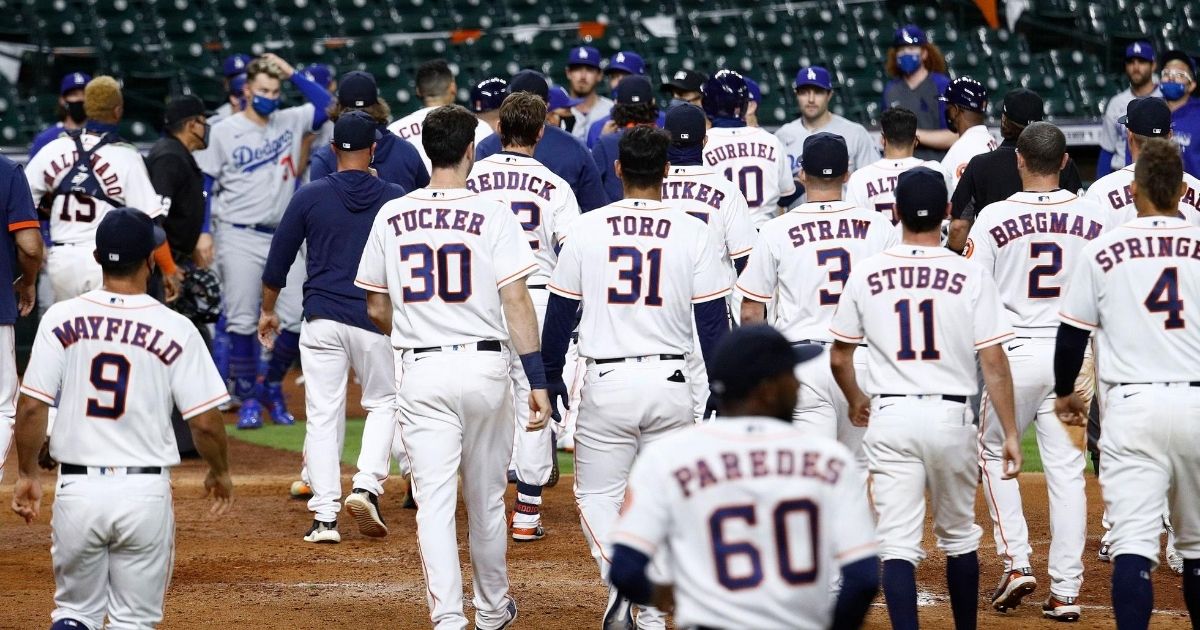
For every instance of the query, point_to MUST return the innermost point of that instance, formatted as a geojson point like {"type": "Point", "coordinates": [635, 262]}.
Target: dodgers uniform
{"type": "Point", "coordinates": [873, 186]}
{"type": "Point", "coordinates": [754, 159]}
{"type": "Point", "coordinates": [1114, 136]}
{"type": "Point", "coordinates": [862, 147]}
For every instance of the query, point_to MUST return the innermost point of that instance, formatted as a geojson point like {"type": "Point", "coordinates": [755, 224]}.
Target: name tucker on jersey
{"type": "Point", "coordinates": [757, 464]}
{"type": "Point", "coordinates": [436, 219]}
{"type": "Point", "coordinates": [734, 150]}
{"type": "Point", "coordinates": [138, 334]}
{"type": "Point", "coordinates": [100, 166]}
{"type": "Point", "coordinates": [826, 230]}
{"type": "Point", "coordinates": [511, 180]}
{"type": "Point", "coordinates": [1044, 223]}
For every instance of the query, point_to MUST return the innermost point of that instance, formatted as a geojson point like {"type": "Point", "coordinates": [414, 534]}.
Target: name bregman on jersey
{"type": "Point", "coordinates": [511, 181]}
{"type": "Point", "coordinates": [1147, 247]}
{"type": "Point", "coordinates": [115, 329]}
{"type": "Point", "coordinates": [110, 181]}
{"type": "Point", "coordinates": [783, 463]}
{"type": "Point", "coordinates": [1044, 223]}
{"type": "Point", "coordinates": [823, 230]}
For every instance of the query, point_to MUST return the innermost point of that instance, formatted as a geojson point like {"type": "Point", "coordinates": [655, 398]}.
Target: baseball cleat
{"type": "Point", "coordinates": [511, 612]}
{"type": "Point", "coordinates": [273, 400]}
{"type": "Point", "coordinates": [1103, 554]}
{"type": "Point", "coordinates": [364, 507]}
{"type": "Point", "coordinates": [250, 415]}
{"type": "Point", "coordinates": [1061, 608]}
{"type": "Point", "coordinates": [528, 534]}
{"type": "Point", "coordinates": [300, 491]}
{"type": "Point", "coordinates": [1014, 586]}
{"type": "Point", "coordinates": [322, 532]}
{"type": "Point", "coordinates": [554, 473]}
{"type": "Point", "coordinates": [618, 614]}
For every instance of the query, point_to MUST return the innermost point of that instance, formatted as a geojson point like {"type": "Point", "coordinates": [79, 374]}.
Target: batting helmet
{"type": "Point", "coordinates": [725, 94]}
{"type": "Point", "coordinates": [199, 296]}
{"type": "Point", "coordinates": [488, 94]}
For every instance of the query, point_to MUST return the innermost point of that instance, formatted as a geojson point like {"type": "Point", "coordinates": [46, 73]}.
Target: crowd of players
{"type": "Point", "coordinates": [328, 223]}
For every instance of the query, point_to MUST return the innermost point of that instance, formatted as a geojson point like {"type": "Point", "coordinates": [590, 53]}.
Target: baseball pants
{"type": "Point", "coordinates": [533, 450]}
{"type": "Point", "coordinates": [821, 406]}
{"type": "Point", "coordinates": [1032, 361]}
{"type": "Point", "coordinates": [112, 548]}
{"type": "Point", "coordinates": [916, 444]}
{"type": "Point", "coordinates": [328, 350]}
{"type": "Point", "coordinates": [241, 256]}
{"type": "Point", "coordinates": [73, 270]}
{"type": "Point", "coordinates": [456, 415]}
{"type": "Point", "coordinates": [8, 391]}
{"type": "Point", "coordinates": [573, 372]}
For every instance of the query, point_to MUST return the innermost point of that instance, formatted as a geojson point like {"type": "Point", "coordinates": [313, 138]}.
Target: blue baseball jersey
{"type": "Point", "coordinates": [1185, 130]}
{"type": "Point", "coordinates": [17, 212]}
{"type": "Point", "coordinates": [596, 130]}
{"type": "Point", "coordinates": [396, 161]}
{"type": "Point", "coordinates": [605, 153]}
{"type": "Point", "coordinates": [566, 157]}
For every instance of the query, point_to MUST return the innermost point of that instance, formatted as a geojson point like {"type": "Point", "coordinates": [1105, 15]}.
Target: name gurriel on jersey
{"type": "Point", "coordinates": [1120, 198]}
{"type": "Point", "coordinates": [734, 150]}
{"type": "Point", "coordinates": [101, 328]}
{"type": "Point", "coordinates": [782, 462]}
{"type": "Point", "coordinates": [1147, 247]}
{"type": "Point", "coordinates": [511, 181]}
{"type": "Point", "coordinates": [436, 219]}
{"type": "Point", "coordinates": [823, 230]}
{"type": "Point", "coordinates": [110, 181]}
{"type": "Point", "coordinates": [1044, 223]}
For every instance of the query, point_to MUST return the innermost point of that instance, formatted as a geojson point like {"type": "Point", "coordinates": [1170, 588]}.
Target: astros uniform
{"type": "Point", "coordinates": [752, 158]}
{"type": "Point", "coordinates": [117, 363]}
{"type": "Point", "coordinates": [923, 312]}
{"type": "Point", "coordinates": [974, 141]}
{"type": "Point", "coordinates": [121, 172]}
{"type": "Point", "coordinates": [873, 186]}
{"type": "Point", "coordinates": [1030, 242]}
{"type": "Point", "coordinates": [1113, 192]}
{"type": "Point", "coordinates": [442, 255]}
{"type": "Point", "coordinates": [410, 127]}
{"type": "Point", "coordinates": [713, 496]}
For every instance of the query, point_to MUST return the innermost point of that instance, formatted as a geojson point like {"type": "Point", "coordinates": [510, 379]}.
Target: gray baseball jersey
{"type": "Point", "coordinates": [861, 146]}
{"type": "Point", "coordinates": [1114, 135]}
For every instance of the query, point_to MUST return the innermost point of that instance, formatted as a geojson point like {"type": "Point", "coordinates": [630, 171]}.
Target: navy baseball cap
{"type": "Point", "coordinates": [909, 35]}
{"type": "Point", "coordinates": [488, 95]}
{"type": "Point", "coordinates": [1022, 106]}
{"type": "Point", "coordinates": [319, 73]}
{"type": "Point", "coordinates": [1147, 116]}
{"type": "Point", "coordinates": [530, 81]}
{"type": "Point", "coordinates": [825, 155]}
{"type": "Point", "coordinates": [357, 89]}
{"type": "Point", "coordinates": [748, 355]}
{"type": "Point", "coordinates": [921, 191]}
{"type": "Point", "coordinates": [126, 235]}
{"type": "Point", "coordinates": [687, 125]}
{"type": "Point", "coordinates": [559, 99]}
{"type": "Point", "coordinates": [354, 131]}
{"type": "Point", "coordinates": [626, 61]}
{"type": "Point", "coordinates": [635, 88]}
{"type": "Point", "coordinates": [685, 81]}
{"type": "Point", "coordinates": [583, 56]}
{"type": "Point", "coordinates": [235, 65]}
{"type": "Point", "coordinates": [966, 93]}
{"type": "Point", "coordinates": [816, 75]}
{"type": "Point", "coordinates": [752, 87]}
{"type": "Point", "coordinates": [73, 81]}
{"type": "Point", "coordinates": [182, 108]}
{"type": "Point", "coordinates": [1139, 50]}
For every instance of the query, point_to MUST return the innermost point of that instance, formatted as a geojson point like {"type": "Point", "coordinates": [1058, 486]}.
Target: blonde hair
{"type": "Point", "coordinates": [262, 66]}
{"type": "Point", "coordinates": [101, 98]}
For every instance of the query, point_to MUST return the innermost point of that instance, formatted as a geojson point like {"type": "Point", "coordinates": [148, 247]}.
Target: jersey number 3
{"type": "Point", "coordinates": [109, 374]}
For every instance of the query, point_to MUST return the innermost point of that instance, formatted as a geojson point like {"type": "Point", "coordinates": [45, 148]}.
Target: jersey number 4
{"type": "Point", "coordinates": [632, 276]}
{"type": "Point", "coordinates": [739, 564]}
{"type": "Point", "coordinates": [1164, 298]}
{"type": "Point", "coordinates": [109, 374]}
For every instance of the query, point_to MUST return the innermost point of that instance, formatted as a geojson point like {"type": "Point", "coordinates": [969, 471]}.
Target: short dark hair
{"type": "Point", "coordinates": [1042, 146]}
{"type": "Point", "coordinates": [433, 77]}
{"type": "Point", "coordinates": [446, 134]}
{"type": "Point", "coordinates": [899, 125]}
{"type": "Point", "coordinates": [634, 113]}
{"type": "Point", "coordinates": [1159, 173]}
{"type": "Point", "coordinates": [120, 269]}
{"type": "Point", "coordinates": [379, 111]}
{"type": "Point", "coordinates": [522, 116]}
{"type": "Point", "coordinates": [643, 155]}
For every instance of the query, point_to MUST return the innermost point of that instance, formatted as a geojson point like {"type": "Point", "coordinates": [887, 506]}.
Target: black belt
{"type": "Point", "coordinates": [58, 244]}
{"type": "Point", "coordinates": [75, 469]}
{"type": "Point", "coordinates": [821, 342]}
{"type": "Point", "coordinates": [257, 227]}
{"type": "Point", "coordinates": [1189, 383]}
{"type": "Point", "coordinates": [661, 357]}
{"type": "Point", "coordinates": [536, 286]}
{"type": "Point", "coordinates": [490, 345]}
{"type": "Point", "coordinates": [951, 398]}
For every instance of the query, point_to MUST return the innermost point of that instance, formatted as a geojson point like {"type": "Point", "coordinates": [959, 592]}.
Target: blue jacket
{"type": "Point", "coordinates": [1185, 130]}
{"type": "Point", "coordinates": [334, 215]}
{"type": "Point", "coordinates": [566, 157]}
{"type": "Point", "coordinates": [45, 136]}
{"type": "Point", "coordinates": [605, 153]}
{"type": "Point", "coordinates": [597, 129]}
{"type": "Point", "coordinates": [396, 161]}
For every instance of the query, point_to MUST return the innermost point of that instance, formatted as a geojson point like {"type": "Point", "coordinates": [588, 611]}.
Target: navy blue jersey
{"type": "Point", "coordinates": [1185, 130]}
{"type": "Point", "coordinates": [17, 212]}
{"type": "Point", "coordinates": [566, 157]}
{"type": "Point", "coordinates": [595, 131]}
{"type": "Point", "coordinates": [396, 162]}
{"type": "Point", "coordinates": [605, 153]}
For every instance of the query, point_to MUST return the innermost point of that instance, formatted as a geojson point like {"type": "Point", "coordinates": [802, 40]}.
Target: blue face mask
{"type": "Point", "coordinates": [909, 63]}
{"type": "Point", "coordinates": [263, 105]}
{"type": "Point", "coordinates": [1173, 91]}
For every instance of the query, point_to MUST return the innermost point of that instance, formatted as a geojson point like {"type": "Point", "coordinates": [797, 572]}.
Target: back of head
{"type": "Point", "coordinates": [357, 91]}
{"type": "Point", "coordinates": [1042, 147]}
{"type": "Point", "coordinates": [635, 102]}
{"type": "Point", "coordinates": [725, 95]}
{"type": "Point", "coordinates": [899, 126]}
{"type": "Point", "coordinates": [446, 134]}
{"type": "Point", "coordinates": [1158, 173]}
{"type": "Point", "coordinates": [921, 199]}
{"type": "Point", "coordinates": [433, 78]}
{"type": "Point", "coordinates": [522, 116]}
{"type": "Point", "coordinates": [102, 100]}
{"type": "Point", "coordinates": [642, 152]}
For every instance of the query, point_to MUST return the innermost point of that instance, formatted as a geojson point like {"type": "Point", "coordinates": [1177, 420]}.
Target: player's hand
{"type": "Point", "coordinates": [1012, 457]}
{"type": "Point", "coordinates": [860, 410]}
{"type": "Point", "coordinates": [539, 410]}
{"type": "Point", "coordinates": [609, 127]}
{"type": "Point", "coordinates": [172, 283]}
{"type": "Point", "coordinates": [557, 390]}
{"type": "Point", "coordinates": [203, 254]}
{"type": "Point", "coordinates": [44, 459]}
{"type": "Point", "coordinates": [1071, 410]}
{"type": "Point", "coordinates": [27, 498]}
{"type": "Point", "coordinates": [26, 289]}
{"type": "Point", "coordinates": [220, 488]}
{"type": "Point", "coordinates": [268, 329]}
{"type": "Point", "coordinates": [284, 67]}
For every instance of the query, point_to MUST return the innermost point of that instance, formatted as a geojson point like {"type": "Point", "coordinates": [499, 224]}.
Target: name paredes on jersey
{"type": "Point", "coordinates": [639, 226]}
{"type": "Point", "coordinates": [1137, 247]}
{"type": "Point", "coordinates": [100, 166]}
{"type": "Point", "coordinates": [693, 190]}
{"type": "Point", "coordinates": [511, 180]}
{"type": "Point", "coordinates": [436, 219]}
{"type": "Point", "coordinates": [734, 150]}
{"type": "Point", "coordinates": [825, 230]}
{"type": "Point", "coordinates": [115, 329]}
{"type": "Point", "coordinates": [756, 464]}
{"type": "Point", "coordinates": [270, 149]}
{"type": "Point", "coordinates": [1044, 223]}
{"type": "Point", "coordinates": [909, 277]}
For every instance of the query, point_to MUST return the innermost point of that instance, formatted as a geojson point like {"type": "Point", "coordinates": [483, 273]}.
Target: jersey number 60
{"type": "Point", "coordinates": [739, 564]}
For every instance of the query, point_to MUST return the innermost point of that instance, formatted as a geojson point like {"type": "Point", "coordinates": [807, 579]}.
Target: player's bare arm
{"type": "Point", "coordinates": [753, 312]}
{"type": "Point", "coordinates": [29, 259]}
{"type": "Point", "coordinates": [841, 360]}
{"type": "Point", "coordinates": [523, 330]}
{"type": "Point", "coordinates": [29, 432]}
{"type": "Point", "coordinates": [998, 378]}
{"type": "Point", "coordinates": [268, 321]}
{"type": "Point", "coordinates": [959, 229]}
{"type": "Point", "coordinates": [208, 432]}
{"type": "Point", "coordinates": [202, 255]}
{"type": "Point", "coordinates": [379, 309]}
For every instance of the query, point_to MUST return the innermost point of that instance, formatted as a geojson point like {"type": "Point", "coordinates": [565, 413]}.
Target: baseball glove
{"type": "Point", "coordinates": [199, 296]}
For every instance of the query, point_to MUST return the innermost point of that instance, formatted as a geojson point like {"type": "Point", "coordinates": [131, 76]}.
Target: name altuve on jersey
{"type": "Point", "coordinates": [115, 329]}
{"type": "Point", "coordinates": [1044, 223]}
{"type": "Point", "coordinates": [693, 190]}
{"type": "Point", "coordinates": [759, 463]}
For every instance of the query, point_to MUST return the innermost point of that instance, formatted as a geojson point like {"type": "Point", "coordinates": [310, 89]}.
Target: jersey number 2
{"type": "Point", "coordinates": [109, 373]}
{"type": "Point", "coordinates": [735, 574]}
{"type": "Point", "coordinates": [1164, 298]}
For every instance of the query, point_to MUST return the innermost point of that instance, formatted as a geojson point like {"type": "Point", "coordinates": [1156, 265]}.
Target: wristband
{"type": "Point", "coordinates": [535, 370]}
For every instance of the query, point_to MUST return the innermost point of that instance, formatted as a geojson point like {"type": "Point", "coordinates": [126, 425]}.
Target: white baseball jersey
{"type": "Point", "coordinates": [1029, 243]}
{"type": "Point", "coordinates": [442, 255]}
{"type": "Point", "coordinates": [638, 266]}
{"type": "Point", "coordinates": [753, 159]}
{"type": "Point", "coordinates": [873, 186]}
{"type": "Point", "coordinates": [804, 258]}
{"type": "Point", "coordinates": [117, 362]}
{"type": "Point", "coordinates": [706, 195]}
{"type": "Point", "coordinates": [255, 166]}
{"type": "Point", "coordinates": [1135, 286]}
{"type": "Point", "coordinates": [923, 312]}
{"type": "Point", "coordinates": [543, 203]}
{"type": "Point", "coordinates": [410, 128]}
{"type": "Point", "coordinates": [1113, 192]}
{"type": "Point", "coordinates": [972, 142]}
{"type": "Point", "coordinates": [756, 516]}
{"type": "Point", "coordinates": [860, 145]}
{"type": "Point", "coordinates": [118, 167]}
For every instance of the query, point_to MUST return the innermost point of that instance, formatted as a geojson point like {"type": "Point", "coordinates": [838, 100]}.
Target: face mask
{"type": "Point", "coordinates": [909, 63]}
{"type": "Point", "coordinates": [566, 123]}
{"type": "Point", "coordinates": [75, 111]}
{"type": "Point", "coordinates": [205, 135]}
{"type": "Point", "coordinates": [264, 106]}
{"type": "Point", "coordinates": [1173, 91]}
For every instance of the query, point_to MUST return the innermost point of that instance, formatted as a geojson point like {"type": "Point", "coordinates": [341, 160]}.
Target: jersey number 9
{"type": "Point", "coordinates": [109, 373]}
{"type": "Point", "coordinates": [739, 564]}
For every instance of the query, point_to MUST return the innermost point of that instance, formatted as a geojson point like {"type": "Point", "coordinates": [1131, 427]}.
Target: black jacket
{"type": "Point", "coordinates": [175, 175]}
{"type": "Point", "coordinates": [993, 176]}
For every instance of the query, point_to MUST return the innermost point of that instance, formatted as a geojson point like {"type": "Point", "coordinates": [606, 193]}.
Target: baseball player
{"type": "Point", "coordinates": [545, 206]}
{"type": "Point", "coordinates": [1177, 76]}
{"type": "Point", "coordinates": [252, 161]}
{"type": "Point", "coordinates": [333, 216]}
{"type": "Point", "coordinates": [924, 313]}
{"type": "Point", "coordinates": [966, 108]}
{"type": "Point", "coordinates": [70, 110]}
{"type": "Point", "coordinates": [750, 157]}
{"type": "Point", "coordinates": [873, 186]}
{"type": "Point", "coordinates": [561, 152]}
{"type": "Point", "coordinates": [486, 97]}
{"type": "Point", "coordinates": [635, 106]}
{"type": "Point", "coordinates": [623, 64]}
{"type": "Point", "coordinates": [1133, 288]}
{"type": "Point", "coordinates": [814, 91]}
{"type": "Point", "coordinates": [755, 516]}
{"type": "Point", "coordinates": [430, 265]}
{"type": "Point", "coordinates": [436, 87]}
{"type": "Point", "coordinates": [1139, 69]}
{"type": "Point", "coordinates": [116, 360]}
{"type": "Point", "coordinates": [640, 268]}
{"type": "Point", "coordinates": [233, 71]}
{"type": "Point", "coordinates": [801, 262]}
{"type": "Point", "coordinates": [560, 110]}
{"type": "Point", "coordinates": [583, 74]}
{"type": "Point", "coordinates": [1030, 243]}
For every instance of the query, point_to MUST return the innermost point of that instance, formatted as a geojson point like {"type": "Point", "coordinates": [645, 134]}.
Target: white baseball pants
{"type": "Point", "coordinates": [8, 391]}
{"type": "Point", "coordinates": [73, 270]}
{"type": "Point", "coordinates": [574, 369]}
{"type": "Point", "coordinates": [241, 256]}
{"type": "Point", "coordinates": [456, 414]}
{"type": "Point", "coordinates": [1032, 361]}
{"type": "Point", "coordinates": [821, 406]}
{"type": "Point", "coordinates": [914, 444]}
{"type": "Point", "coordinates": [532, 450]}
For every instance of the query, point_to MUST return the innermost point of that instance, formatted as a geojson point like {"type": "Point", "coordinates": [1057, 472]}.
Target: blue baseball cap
{"type": "Point", "coordinates": [236, 83]}
{"type": "Point", "coordinates": [687, 125]}
{"type": "Point", "coordinates": [966, 93]}
{"type": "Point", "coordinates": [235, 65]}
{"type": "Point", "coordinates": [530, 81]}
{"type": "Point", "coordinates": [127, 235]}
{"type": "Point", "coordinates": [318, 73]}
{"type": "Point", "coordinates": [354, 131]}
{"type": "Point", "coordinates": [815, 75]}
{"type": "Point", "coordinates": [825, 155]}
{"type": "Point", "coordinates": [920, 192]}
{"type": "Point", "coordinates": [755, 91]}
{"type": "Point", "coordinates": [748, 355]}
{"type": "Point", "coordinates": [583, 56]}
{"type": "Point", "coordinates": [488, 94]}
{"type": "Point", "coordinates": [1147, 116]}
{"type": "Point", "coordinates": [559, 99]}
{"type": "Point", "coordinates": [1140, 50]}
{"type": "Point", "coordinates": [73, 81]}
{"type": "Point", "coordinates": [357, 89]}
{"type": "Point", "coordinates": [909, 35]}
{"type": "Point", "coordinates": [626, 61]}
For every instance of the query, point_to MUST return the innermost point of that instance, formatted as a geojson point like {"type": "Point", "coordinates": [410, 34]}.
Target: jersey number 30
{"type": "Point", "coordinates": [109, 374]}
{"type": "Point", "coordinates": [446, 273]}
{"type": "Point", "coordinates": [739, 564]}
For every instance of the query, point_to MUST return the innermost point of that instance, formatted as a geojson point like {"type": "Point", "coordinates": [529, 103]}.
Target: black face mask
{"type": "Point", "coordinates": [567, 123]}
{"type": "Point", "coordinates": [75, 112]}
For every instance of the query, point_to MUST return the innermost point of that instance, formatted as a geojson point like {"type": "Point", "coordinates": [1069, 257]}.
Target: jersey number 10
{"type": "Point", "coordinates": [750, 182]}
